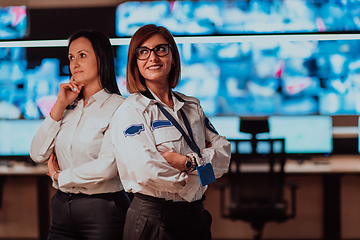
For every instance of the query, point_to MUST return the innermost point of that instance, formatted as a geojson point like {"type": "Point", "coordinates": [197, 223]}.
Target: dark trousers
{"type": "Point", "coordinates": [151, 218]}
{"type": "Point", "coordinates": [81, 216]}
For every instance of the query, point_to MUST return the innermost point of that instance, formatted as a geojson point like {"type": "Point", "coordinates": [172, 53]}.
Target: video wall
{"type": "Point", "coordinates": [240, 16]}
{"type": "Point", "coordinates": [263, 74]}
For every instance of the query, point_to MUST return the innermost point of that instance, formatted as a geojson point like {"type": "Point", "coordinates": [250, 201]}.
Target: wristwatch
{"type": "Point", "coordinates": [188, 164]}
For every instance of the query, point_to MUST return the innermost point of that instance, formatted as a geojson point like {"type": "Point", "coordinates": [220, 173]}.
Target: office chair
{"type": "Point", "coordinates": [257, 196]}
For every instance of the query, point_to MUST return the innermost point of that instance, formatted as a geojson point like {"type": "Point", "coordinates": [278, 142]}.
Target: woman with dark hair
{"type": "Point", "coordinates": [90, 202]}
{"type": "Point", "coordinates": [166, 149]}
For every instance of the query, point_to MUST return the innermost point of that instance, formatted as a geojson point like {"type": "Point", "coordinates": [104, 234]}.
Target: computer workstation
{"type": "Point", "coordinates": [306, 137]}
{"type": "Point", "coordinates": [15, 141]}
{"type": "Point", "coordinates": [309, 148]}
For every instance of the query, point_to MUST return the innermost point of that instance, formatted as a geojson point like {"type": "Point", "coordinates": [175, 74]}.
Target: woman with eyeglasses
{"type": "Point", "coordinates": [166, 149]}
{"type": "Point", "coordinates": [74, 140]}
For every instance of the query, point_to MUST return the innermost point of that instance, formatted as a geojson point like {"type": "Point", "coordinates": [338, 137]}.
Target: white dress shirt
{"type": "Point", "coordinates": [82, 146]}
{"type": "Point", "coordinates": [141, 133]}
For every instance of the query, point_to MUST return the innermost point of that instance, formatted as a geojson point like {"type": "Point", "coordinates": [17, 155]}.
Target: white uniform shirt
{"type": "Point", "coordinates": [141, 133]}
{"type": "Point", "coordinates": [82, 146]}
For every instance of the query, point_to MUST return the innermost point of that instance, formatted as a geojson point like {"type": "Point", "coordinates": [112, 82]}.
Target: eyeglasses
{"type": "Point", "coordinates": [160, 50]}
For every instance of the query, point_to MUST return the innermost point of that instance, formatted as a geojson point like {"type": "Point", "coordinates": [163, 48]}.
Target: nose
{"type": "Point", "coordinates": [74, 63]}
{"type": "Point", "coordinates": [153, 56]}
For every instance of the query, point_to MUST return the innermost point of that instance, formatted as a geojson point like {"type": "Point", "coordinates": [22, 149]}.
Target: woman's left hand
{"type": "Point", "coordinates": [53, 166]}
{"type": "Point", "coordinates": [175, 160]}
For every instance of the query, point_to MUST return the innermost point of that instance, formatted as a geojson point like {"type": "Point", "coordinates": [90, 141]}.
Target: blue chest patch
{"type": "Point", "coordinates": [134, 129]}
{"type": "Point", "coordinates": [210, 126]}
{"type": "Point", "coordinates": [160, 124]}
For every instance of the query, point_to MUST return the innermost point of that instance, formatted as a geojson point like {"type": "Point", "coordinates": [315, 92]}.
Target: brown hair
{"type": "Point", "coordinates": [135, 82]}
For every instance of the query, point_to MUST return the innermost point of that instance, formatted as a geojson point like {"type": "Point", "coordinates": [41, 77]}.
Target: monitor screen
{"type": "Point", "coordinates": [16, 136]}
{"type": "Point", "coordinates": [303, 134]}
{"type": "Point", "coordinates": [239, 16]}
{"type": "Point", "coordinates": [27, 92]}
{"type": "Point", "coordinates": [13, 22]}
{"type": "Point", "coordinates": [229, 127]}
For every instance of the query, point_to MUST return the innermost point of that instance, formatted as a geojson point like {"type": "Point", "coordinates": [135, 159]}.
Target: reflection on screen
{"type": "Point", "coordinates": [16, 136]}
{"type": "Point", "coordinates": [303, 134]}
{"type": "Point", "coordinates": [239, 17]}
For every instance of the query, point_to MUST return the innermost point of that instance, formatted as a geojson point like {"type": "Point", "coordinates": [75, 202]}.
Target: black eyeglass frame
{"type": "Point", "coordinates": [166, 44]}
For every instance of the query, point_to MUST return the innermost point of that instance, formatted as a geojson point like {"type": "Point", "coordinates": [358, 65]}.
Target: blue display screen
{"type": "Point", "coordinates": [13, 22]}
{"type": "Point", "coordinates": [303, 134]}
{"type": "Point", "coordinates": [27, 95]}
{"type": "Point", "coordinates": [16, 136]}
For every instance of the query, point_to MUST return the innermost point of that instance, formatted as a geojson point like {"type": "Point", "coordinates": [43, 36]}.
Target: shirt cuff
{"type": "Point", "coordinates": [64, 177]}
{"type": "Point", "coordinates": [200, 161]}
{"type": "Point", "coordinates": [191, 188]}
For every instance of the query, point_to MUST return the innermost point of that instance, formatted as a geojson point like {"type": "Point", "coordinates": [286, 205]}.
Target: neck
{"type": "Point", "coordinates": [163, 93]}
{"type": "Point", "coordinates": [89, 90]}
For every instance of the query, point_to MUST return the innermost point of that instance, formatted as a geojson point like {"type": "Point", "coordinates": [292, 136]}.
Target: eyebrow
{"type": "Point", "coordinates": [79, 51]}
{"type": "Point", "coordinates": [155, 46]}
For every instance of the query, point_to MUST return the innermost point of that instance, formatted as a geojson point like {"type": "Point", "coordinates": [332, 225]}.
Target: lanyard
{"type": "Point", "coordinates": [190, 142]}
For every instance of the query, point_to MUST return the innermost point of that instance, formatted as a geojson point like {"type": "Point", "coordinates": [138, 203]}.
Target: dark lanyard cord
{"type": "Point", "coordinates": [190, 142]}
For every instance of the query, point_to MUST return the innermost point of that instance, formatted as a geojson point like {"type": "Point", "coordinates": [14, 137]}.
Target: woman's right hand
{"type": "Point", "coordinates": [68, 92]}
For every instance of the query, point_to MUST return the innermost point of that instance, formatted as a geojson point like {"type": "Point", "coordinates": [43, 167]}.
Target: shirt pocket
{"type": "Point", "coordinates": [167, 139]}
{"type": "Point", "coordinates": [94, 129]}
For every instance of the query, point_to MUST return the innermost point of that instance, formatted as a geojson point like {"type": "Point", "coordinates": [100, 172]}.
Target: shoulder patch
{"type": "Point", "coordinates": [133, 129]}
{"type": "Point", "coordinates": [160, 124]}
{"type": "Point", "coordinates": [209, 126]}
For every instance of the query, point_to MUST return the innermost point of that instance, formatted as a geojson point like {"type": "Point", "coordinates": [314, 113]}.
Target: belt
{"type": "Point", "coordinates": [72, 196]}
{"type": "Point", "coordinates": [166, 208]}
{"type": "Point", "coordinates": [170, 202]}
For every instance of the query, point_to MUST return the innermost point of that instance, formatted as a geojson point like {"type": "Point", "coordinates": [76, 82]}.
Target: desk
{"type": "Point", "coordinates": [337, 166]}
{"type": "Point", "coordinates": [331, 169]}
{"type": "Point", "coordinates": [42, 181]}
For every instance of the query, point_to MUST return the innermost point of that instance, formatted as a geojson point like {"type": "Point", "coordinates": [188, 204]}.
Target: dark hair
{"type": "Point", "coordinates": [135, 82]}
{"type": "Point", "coordinates": [104, 54]}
